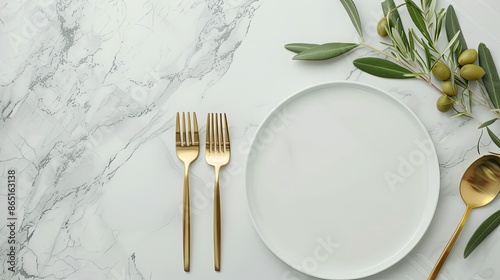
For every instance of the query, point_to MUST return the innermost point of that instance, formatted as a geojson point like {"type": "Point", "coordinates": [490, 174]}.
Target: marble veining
{"type": "Point", "coordinates": [86, 87]}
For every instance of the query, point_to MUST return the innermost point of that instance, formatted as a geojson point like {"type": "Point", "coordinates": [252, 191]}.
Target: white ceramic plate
{"type": "Point", "coordinates": [342, 180]}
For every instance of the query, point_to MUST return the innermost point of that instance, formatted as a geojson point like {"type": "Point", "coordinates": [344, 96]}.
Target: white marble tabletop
{"type": "Point", "coordinates": [89, 91]}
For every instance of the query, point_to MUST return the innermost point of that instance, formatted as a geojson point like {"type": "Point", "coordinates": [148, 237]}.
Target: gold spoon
{"type": "Point", "coordinates": [478, 187]}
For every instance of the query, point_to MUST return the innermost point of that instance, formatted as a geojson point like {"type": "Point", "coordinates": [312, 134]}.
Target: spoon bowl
{"type": "Point", "coordinates": [479, 185]}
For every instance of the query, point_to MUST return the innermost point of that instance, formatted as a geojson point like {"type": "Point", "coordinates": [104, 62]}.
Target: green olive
{"type": "Point", "coordinates": [472, 72]}
{"type": "Point", "coordinates": [467, 57]}
{"type": "Point", "coordinates": [441, 71]}
{"type": "Point", "coordinates": [448, 88]}
{"type": "Point", "coordinates": [444, 103]}
{"type": "Point", "coordinates": [382, 27]}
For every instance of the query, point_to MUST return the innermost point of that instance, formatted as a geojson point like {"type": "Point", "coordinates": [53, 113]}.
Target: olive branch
{"type": "Point", "coordinates": [416, 53]}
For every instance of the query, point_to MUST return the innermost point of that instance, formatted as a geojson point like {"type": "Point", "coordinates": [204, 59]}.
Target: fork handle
{"type": "Point", "coordinates": [186, 220]}
{"type": "Point", "coordinates": [217, 221]}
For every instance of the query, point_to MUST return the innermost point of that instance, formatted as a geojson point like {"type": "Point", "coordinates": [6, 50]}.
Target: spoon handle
{"type": "Point", "coordinates": [444, 255]}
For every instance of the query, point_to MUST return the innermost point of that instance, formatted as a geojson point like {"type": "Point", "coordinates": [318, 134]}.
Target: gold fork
{"type": "Point", "coordinates": [218, 153]}
{"type": "Point", "coordinates": [187, 146]}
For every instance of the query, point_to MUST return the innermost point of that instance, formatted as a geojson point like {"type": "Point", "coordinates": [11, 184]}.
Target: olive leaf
{"type": "Point", "coordinates": [426, 3]}
{"type": "Point", "coordinates": [299, 47]}
{"type": "Point", "coordinates": [325, 51]}
{"type": "Point", "coordinates": [488, 123]}
{"type": "Point", "coordinates": [452, 41]}
{"type": "Point", "coordinates": [493, 137]}
{"type": "Point", "coordinates": [352, 11]}
{"type": "Point", "coordinates": [482, 232]}
{"type": "Point", "coordinates": [439, 23]}
{"type": "Point", "coordinates": [459, 114]}
{"type": "Point", "coordinates": [382, 68]}
{"type": "Point", "coordinates": [452, 27]}
{"type": "Point", "coordinates": [459, 82]}
{"type": "Point", "coordinates": [411, 40]}
{"type": "Point", "coordinates": [428, 57]}
{"type": "Point", "coordinates": [418, 19]}
{"type": "Point", "coordinates": [490, 80]}
{"type": "Point", "coordinates": [390, 10]}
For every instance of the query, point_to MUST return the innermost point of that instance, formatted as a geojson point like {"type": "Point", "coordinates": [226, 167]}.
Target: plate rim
{"type": "Point", "coordinates": [413, 242]}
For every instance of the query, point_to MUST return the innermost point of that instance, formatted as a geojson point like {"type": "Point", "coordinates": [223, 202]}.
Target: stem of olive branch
{"type": "Point", "coordinates": [385, 54]}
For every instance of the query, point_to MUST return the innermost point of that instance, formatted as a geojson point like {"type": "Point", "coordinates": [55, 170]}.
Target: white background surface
{"type": "Point", "coordinates": [88, 95]}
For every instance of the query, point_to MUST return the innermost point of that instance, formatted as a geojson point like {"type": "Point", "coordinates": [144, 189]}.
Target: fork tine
{"type": "Point", "coordinates": [226, 134]}
{"type": "Point", "coordinates": [189, 136]}
{"type": "Point", "coordinates": [214, 132]}
{"type": "Point", "coordinates": [183, 129]}
{"type": "Point", "coordinates": [195, 132]}
{"type": "Point", "coordinates": [177, 130]}
{"type": "Point", "coordinates": [207, 137]}
{"type": "Point", "coordinates": [217, 132]}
